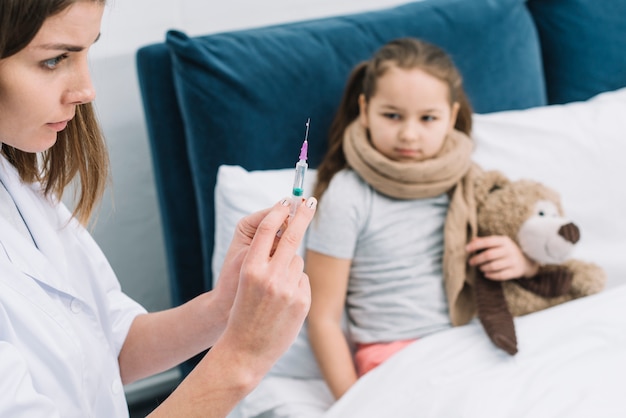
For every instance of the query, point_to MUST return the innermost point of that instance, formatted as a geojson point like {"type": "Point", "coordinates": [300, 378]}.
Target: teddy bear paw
{"type": "Point", "coordinates": [551, 281]}
{"type": "Point", "coordinates": [506, 343]}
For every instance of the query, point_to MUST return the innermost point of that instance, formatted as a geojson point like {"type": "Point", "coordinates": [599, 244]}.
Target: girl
{"type": "Point", "coordinates": [396, 214]}
{"type": "Point", "coordinates": [69, 337]}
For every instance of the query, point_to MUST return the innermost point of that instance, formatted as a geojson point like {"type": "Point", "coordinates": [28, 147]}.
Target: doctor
{"type": "Point", "coordinates": [69, 337]}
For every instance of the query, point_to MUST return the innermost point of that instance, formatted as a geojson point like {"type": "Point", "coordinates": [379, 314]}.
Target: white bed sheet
{"type": "Point", "coordinates": [571, 363]}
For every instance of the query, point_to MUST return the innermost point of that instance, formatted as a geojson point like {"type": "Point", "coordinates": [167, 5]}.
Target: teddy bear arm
{"type": "Point", "coordinates": [588, 278]}
{"type": "Point", "coordinates": [550, 281]}
{"type": "Point", "coordinates": [494, 315]}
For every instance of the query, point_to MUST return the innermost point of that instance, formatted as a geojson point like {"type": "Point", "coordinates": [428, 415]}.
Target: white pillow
{"type": "Point", "coordinates": [579, 150]}
{"type": "Point", "coordinates": [239, 192]}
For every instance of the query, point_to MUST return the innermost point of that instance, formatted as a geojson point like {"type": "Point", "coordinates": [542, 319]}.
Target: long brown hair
{"type": "Point", "coordinates": [80, 148]}
{"type": "Point", "coordinates": [405, 53]}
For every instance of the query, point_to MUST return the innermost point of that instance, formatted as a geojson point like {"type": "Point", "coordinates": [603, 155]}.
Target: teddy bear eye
{"type": "Point", "coordinates": [545, 209]}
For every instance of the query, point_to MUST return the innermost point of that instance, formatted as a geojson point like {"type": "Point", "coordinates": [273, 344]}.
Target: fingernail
{"type": "Point", "coordinates": [285, 202]}
{"type": "Point", "coordinates": [311, 202]}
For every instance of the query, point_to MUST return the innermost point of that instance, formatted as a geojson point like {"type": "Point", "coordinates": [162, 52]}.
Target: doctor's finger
{"type": "Point", "coordinates": [264, 239]}
{"type": "Point", "coordinates": [292, 236]}
{"type": "Point", "coordinates": [248, 225]}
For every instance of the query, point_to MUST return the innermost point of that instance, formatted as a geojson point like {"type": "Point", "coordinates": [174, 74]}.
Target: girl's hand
{"type": "Point", "coordinates": [262, 281]}
{"type": "Point", "coordinates": [500, 258]}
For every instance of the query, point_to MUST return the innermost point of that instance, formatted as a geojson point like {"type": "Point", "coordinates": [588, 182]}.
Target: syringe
{"type": "Point", "coordinates": [298, 182]}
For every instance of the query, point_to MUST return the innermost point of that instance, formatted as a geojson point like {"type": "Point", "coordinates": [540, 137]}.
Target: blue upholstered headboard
{"type": "Point", "coordinates": [243, 97]}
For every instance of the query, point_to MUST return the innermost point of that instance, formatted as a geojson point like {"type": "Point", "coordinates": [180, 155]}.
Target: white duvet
{"type": "Point", "coordinates": [571, 363]}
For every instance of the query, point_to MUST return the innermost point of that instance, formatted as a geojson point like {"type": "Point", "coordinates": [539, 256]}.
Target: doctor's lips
{"type": "Point", "coordinates": [58, 126]}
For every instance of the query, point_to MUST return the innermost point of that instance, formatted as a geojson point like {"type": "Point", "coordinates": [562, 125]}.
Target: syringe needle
{"type": "Point", "coordinates": [306, 135]}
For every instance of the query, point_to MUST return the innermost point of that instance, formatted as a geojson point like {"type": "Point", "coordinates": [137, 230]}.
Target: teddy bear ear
{"type": "Point", "coordinates": [488, 182]}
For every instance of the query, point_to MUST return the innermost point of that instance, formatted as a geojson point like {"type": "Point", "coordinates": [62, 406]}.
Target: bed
{"type": "Point", "coordinates": [572, 358]}
{"type": "Point", "coordinates": [547, 79]}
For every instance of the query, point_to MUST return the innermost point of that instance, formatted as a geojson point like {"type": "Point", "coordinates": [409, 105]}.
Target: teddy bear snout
{"type": "Point", "coordinates": [570, 232]}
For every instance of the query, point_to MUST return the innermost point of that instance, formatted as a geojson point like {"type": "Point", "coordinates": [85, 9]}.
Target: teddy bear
{"type": "Point", "coordinates": [531, 214]}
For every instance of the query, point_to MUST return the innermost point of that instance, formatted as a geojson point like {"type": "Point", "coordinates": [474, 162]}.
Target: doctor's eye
{"type": "Point", "coordinates": [53, 63]}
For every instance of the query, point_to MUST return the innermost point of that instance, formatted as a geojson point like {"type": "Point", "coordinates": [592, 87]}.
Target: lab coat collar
{"type": "Point", "coordinates": [47, 262]}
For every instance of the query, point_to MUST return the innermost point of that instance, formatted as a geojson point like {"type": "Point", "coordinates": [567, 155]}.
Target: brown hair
{"type": "Point", "coordinates": [406, 53]}
{"type": "Point", "coordinates": [80, 148]}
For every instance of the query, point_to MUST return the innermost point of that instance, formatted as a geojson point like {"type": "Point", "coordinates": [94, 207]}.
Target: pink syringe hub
{"type": "Point", "coordinates": [304, 150]}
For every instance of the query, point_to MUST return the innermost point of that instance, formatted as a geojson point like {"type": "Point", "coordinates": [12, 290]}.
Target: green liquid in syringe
{"type": "Point", "coordinates": [297, 191]}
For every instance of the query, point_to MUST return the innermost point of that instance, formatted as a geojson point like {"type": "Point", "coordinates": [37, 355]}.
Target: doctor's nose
{"type": "Point", "coordinates": [81, 89]}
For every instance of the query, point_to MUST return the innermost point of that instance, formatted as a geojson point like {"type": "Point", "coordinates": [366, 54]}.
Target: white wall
{"type": "Point", "coordinates": [128, 228]}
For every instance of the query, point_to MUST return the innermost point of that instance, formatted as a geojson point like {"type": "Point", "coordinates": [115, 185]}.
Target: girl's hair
{"type": "Point", "coordinates": [405, 53]}
{"type": "Point", "coordinates": [80, 148]}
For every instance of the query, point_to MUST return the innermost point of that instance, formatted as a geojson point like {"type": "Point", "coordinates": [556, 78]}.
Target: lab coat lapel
{"type": "Point", "coordinates": [47, 262]}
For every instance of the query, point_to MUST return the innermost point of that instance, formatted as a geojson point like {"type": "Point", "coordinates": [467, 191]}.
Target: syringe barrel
{"type": "Point", "coordinates": [298, 181]}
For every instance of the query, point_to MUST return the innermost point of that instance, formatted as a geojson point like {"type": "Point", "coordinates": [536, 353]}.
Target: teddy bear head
{"type": "Point", "coordinates": [528, 212]}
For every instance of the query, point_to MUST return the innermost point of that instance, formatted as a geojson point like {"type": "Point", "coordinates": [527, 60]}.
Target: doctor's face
{"type": "Point", "coordinates": [41, 85]}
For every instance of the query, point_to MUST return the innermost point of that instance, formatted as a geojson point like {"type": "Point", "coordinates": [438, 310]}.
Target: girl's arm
{"type": "Point", "coordinates": [329, 284]}
{"type": "Point", "coordinates": [500, 258]}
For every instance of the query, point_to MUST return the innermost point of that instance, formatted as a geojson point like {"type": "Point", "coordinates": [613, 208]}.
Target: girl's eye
{"type": "Point", "coordinates": [52, 63]}
{"type": "Point", "coordinates": [393, 116]}
{"type": "Point", "coordinates": [428, 118]}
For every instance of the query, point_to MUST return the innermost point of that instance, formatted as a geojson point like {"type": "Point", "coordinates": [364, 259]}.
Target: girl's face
{"type": "Point", "coordinates": [409, 116]}
{"type": "Point", "coordinates": [41, 85]}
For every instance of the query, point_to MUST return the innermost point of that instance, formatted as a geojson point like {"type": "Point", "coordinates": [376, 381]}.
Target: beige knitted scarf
{"type": "Point", "coordinates": [451, 171]}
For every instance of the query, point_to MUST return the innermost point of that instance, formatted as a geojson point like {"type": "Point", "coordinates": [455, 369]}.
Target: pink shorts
{"type": "Point", "coordinates": [368, 356]}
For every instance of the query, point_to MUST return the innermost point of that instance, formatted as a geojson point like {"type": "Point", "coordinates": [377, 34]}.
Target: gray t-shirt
{"type": "Point", "coordinates": [395, 290]}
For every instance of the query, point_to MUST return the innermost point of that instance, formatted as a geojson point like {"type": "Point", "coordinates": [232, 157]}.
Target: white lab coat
{"type": "Point", "coordinates": [63, 316]}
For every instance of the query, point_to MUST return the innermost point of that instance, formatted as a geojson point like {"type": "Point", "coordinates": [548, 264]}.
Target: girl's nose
{"type": "Point", "coordinates": [409, 132]}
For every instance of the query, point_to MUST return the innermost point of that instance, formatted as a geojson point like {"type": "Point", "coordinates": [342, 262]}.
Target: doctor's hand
{"type": "Point", "coordinates": [262, 277]}
{"type": "Point", "coordinates": [262, 298]}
